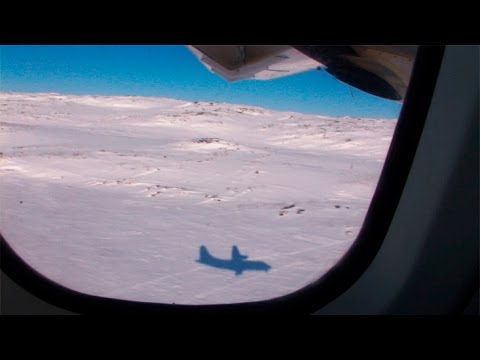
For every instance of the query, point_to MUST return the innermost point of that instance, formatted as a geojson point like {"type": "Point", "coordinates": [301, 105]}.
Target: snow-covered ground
{"type": "Point", "coordinates": [113, 196]}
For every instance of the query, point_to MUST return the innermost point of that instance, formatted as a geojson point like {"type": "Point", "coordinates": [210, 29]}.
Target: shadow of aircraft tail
{"type": "Point", "coordinates": [237, 263]}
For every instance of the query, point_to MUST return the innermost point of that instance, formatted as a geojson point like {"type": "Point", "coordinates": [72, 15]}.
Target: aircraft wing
{"type": "Point", "coordinates": [258, 62]}
{"type": "Point", "coordinates": [382, 71]}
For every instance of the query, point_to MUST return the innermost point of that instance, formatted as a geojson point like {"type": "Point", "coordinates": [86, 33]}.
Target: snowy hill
{"type": "Point", "coordinates": [113, 196]}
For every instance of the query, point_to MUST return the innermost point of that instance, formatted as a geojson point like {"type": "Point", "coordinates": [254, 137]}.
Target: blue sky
{"type": "Point", "coordinates": [173, 72]}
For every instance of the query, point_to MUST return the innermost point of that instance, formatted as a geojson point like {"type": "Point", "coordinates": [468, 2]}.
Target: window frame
{"type": "Point", "coordinates": [319, 293]}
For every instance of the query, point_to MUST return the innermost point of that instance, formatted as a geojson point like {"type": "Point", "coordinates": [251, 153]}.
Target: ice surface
{"type": "Point", "coordinates": [113, 196]}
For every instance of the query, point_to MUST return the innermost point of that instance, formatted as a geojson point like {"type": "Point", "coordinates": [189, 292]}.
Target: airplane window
{"type": "Point", "coordinates": [192, 175]}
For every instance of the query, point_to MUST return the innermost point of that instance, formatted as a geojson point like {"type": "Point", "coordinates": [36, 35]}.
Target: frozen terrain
{"type": "Point", "coordinates": [113, 196]}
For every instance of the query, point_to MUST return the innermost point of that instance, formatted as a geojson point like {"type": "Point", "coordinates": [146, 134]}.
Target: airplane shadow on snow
{"type": "Point", "coordinates": [237, 263]}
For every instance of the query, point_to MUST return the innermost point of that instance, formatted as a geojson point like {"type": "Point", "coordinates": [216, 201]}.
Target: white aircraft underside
{"type": "Point", "coordinates": [382, 71]}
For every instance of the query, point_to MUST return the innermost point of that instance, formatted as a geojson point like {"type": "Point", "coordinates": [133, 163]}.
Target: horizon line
{"type": "Point", "coordinates": [189, 100]}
